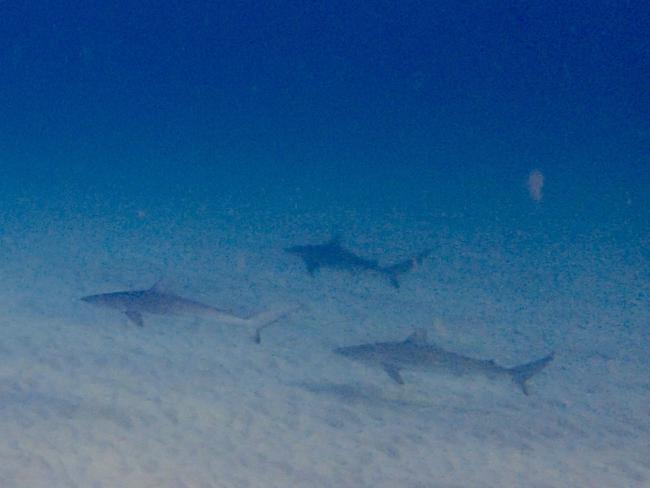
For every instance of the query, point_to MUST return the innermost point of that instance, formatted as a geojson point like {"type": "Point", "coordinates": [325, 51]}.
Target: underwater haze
{"type": "Point", "coordinates": [350, 244]}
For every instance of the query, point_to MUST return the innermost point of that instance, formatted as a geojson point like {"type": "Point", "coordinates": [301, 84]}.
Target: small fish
{"type": "Point", "coordinates": [332, 255]}
{"type": "Point", "coordinates": [155, 301]}
{"type": "Point", "coordinates": [415, 353]}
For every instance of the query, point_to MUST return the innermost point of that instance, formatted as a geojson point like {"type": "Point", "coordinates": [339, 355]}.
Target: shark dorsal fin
{"type": "Point", "coordinates": [161, 286]}
{"type": "Point", "coordinates": [419, 336]}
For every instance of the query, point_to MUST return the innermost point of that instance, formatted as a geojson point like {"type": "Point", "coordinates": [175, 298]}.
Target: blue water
{"type": "Point", "coordinates": [193, 141]}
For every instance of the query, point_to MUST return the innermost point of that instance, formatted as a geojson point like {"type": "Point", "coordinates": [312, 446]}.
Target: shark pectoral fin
{"type": "Point", "coordinates": [394, 271]}
{"type": "Point", "coordinates": [135, 317]}
{"type": "Point", "coordinates": [393, 372]}
{"type": "Point", "coordinates": [393, 281]}
{"type": "Point", "coordinates": [521, 374]}
{"type": "Point", "coordinates": [267, 318]}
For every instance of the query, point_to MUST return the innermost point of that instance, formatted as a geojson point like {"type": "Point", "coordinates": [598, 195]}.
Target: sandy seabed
{"type": "Point", "coordinates": [89, 400]}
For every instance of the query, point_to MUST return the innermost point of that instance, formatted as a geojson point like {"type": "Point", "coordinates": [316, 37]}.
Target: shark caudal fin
{"type": "Point", "coordinates": [394, 271]}
{"type": "Point", "coordinates": [264, 319]}
{"type": "Point", "coordinates": [521, 374]}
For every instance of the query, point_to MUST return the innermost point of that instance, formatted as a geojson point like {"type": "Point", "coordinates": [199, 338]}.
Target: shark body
{"type": "Point", "coordinates": [135, 303]}
{"type": "Point", "coordinates": [416, 354]}
{"type": "Point", "coordinates": [332, 255]}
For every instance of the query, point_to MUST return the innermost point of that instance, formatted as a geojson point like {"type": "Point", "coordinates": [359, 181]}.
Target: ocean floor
{"type": "Point", "coordinates": [89, 400]}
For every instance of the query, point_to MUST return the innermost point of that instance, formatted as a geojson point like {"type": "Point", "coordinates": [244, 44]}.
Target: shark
{"type": "Point", "coordinates": [156, 301]}
{"type": "Point", "coordinates": [417, 354]}
{"type": "Point", "coordinates": [332, 254]}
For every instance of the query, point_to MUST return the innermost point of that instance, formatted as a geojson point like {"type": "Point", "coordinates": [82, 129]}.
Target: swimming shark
{"type": "Point", "coordinates": [415, 353]}
{"type": "Point", "coordinates": [332, 255]}
{"type": "Point", "coordinates": [156, 301]}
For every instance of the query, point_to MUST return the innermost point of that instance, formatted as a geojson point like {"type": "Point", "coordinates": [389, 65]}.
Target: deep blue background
{"type": "Point", "coordinates": [167, 99]}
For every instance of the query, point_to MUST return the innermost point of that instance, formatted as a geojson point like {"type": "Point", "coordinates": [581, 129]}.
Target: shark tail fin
{"type": "Point", "coordinates": [393, 271]}
{"type": "Point", "coordinates": [521, 374]}
{"type": "Point", "coordinates": [264, 319]}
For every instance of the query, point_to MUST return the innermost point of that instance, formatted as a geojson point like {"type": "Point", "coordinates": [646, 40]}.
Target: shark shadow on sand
{"type": "Point", "coordinates": [352, 393]}
{"type": "Point", "coordinates": [134, 304]}
{"type": "Point", "coordinates": [332, 255]}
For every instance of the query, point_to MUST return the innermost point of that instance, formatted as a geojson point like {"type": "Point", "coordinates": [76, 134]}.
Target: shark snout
{"type": "Point", "coordinates": [342, 351]}
{"type": "Point", "coordinates": [92, 299]}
